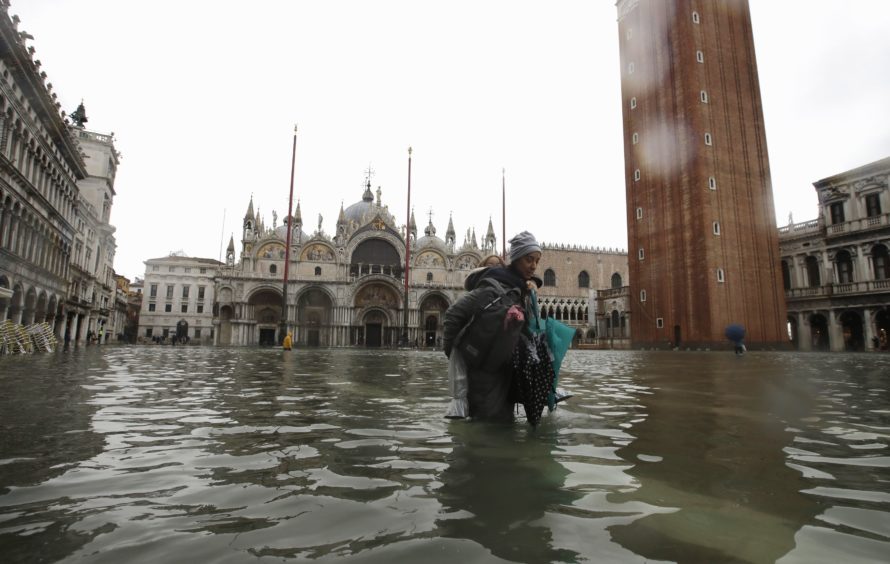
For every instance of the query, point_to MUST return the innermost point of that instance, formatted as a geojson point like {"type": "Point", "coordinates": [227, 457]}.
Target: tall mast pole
{"type": "Point", "coordinates": [282, 328]}
{"type": "Point", "coordinates": [504, 214]}
{"type": "Point", "coordinates": [407, 251]}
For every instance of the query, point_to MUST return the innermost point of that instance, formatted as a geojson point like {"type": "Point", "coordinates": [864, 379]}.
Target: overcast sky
{"type": "Point", "coordinates": [202, 97]}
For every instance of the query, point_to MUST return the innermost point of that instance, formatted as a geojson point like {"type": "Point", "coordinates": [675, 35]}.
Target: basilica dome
{"type": "Point", "coordinates": [365, 210]}
{"type": "Point", "coordinates": [298, 234]}
{"type": "Point", "coordinates": [431, 241]}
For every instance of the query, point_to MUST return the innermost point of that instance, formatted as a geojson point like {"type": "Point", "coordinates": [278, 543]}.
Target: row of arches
{"type": "Point", "coordinates": [28, 306]}
{"type": "Point", "coordinates": [844, 269]}
{"type": "Point", "coordinates": [852, 331]}
{"type": "Point", "coordinates": [26, 235]}
{"type": "Point", "coordinates": [37, 161]}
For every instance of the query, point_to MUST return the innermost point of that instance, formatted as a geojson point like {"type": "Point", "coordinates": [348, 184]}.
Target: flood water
{"type": "Point", "coordinates": [182, 454]}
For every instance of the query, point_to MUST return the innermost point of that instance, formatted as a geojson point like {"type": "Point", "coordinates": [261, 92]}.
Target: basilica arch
{"type": "Point", "coordinates": [433, 306]}
{"type": "Point", "coordinates": [263, 315]}
{"type": "Point", "coordinates": [315, 313]}
{"type": "Point", "coordinates": [376, 314]}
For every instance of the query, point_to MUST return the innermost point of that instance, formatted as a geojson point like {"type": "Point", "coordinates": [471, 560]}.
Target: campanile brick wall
{"type": "Point", "coordinates": [702, 238]}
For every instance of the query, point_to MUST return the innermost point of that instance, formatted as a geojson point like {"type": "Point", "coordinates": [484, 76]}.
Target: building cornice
{"type": "Point", "coordinates": [31, 81]}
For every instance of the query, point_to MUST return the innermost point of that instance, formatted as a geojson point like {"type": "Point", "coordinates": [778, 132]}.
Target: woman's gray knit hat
{"type": "Point", "coordinates": [523, 244]}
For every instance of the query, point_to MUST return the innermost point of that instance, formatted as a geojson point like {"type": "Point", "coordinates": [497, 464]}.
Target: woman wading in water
{"type": "Point", "coordinates": [482, 329]}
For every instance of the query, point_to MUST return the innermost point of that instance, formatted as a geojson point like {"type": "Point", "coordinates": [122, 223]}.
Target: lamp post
{"type": "Point", "coordinates": [407, 253]}
{"type": "Point", "coordinates": [282, 327]}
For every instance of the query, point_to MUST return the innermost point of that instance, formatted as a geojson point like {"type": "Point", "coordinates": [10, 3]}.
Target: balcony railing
{"type": "Point", "coordinates": [862, 224]}
{"type": "Point", "coordinates": [613, 292]}
{"type": "Point", "coordinates": [798, 229]}
{"type": "Point", "coordinates": [845, 289]}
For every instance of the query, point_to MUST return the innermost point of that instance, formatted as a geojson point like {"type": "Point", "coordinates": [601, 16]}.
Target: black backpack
{"type": "Point", "coordinates": [483, 341]}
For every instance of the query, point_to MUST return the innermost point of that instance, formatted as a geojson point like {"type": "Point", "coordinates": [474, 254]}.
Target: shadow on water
{"type": "Point", "coordinates": [712, 446]}
{"type": "Point", "coordinates": [500, 481]}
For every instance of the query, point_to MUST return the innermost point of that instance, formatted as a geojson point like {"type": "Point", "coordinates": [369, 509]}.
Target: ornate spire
{"type": "Point", "coordinates": [249, 214]}
{"type": "Point", "coordinates": [298, 216]}
{"type": "Point", "coordinates": [231, 246]}
{"type": "Point", "coordinates": [341, 218]}
{"type": "Point", "coordinates": [449, 234]}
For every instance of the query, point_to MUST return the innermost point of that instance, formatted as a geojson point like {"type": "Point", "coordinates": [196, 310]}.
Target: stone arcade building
{"type": "Point", "coordinates": [836, 268]}
{"type": "Point", "coordinates": [348, 288]}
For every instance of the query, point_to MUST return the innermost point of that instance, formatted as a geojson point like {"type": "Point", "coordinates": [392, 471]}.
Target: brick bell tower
{"type": "Point", "coordinates": [703, 248]}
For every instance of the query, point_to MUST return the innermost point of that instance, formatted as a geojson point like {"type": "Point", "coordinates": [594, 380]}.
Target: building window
{"type": "Point", "coordinates": [318, 271]}
{"type": "Point", "coordinates": [155, 268]}
{"type": "Point", "coordinates": [872, 205]}
{"type": "Point", "coordinates": [151, 307]}
{"type": "Point", "coordinates": [203, 271]}
{"type": "Point", "coordinates": [184, 308]}
{"type": "Point", "coordinates": [695, 18]}
{"type": "Point", "coordinates": [200, 308]}
{"type": "Point", "coordinates": [844, 267]}
{"type": "Point", "coordinates": [169, 292]}
{"type": "Point", "coordinates": [185, 292]}
{"type": "Point", "coordinates": [171, 269]}
{"type": "Point", "coordinates": [148, 331]}
{"type": "Point", "coordinates": [429, 277]}
{"type": "Point", "coordinates": [197, 333]}
{"type": "Point", "coordinates": [640, 254]}
{"type": "Point", "coordinates": [636, 175]}
{"type": "Point", "coordinates": [704, 96]}
{"type": "Point", "coordinates": [583, 279]}
{"type": "Point", "coordinates": [837, 212]}
{"type": "Point", "coordinates": [881, 260]}
{"type": "Point", "coordinates": [168, 308]}
{"type": "Point", "coordinates": [642, 295]}
{"type": "Point", "coordinates": [721, 277]}
{"type": "Point", "coordinates": [708, 139]}
{"type": "Point", "coordinates": [699, 56]}
{"type": "Point", "coordinates": [200, 292]}
{"type": "Point", "coordinates": [659, 322]}
{"type": "Point", "coordinates": [712, 183]}
{"type": "Point", "coordinates": [635, 138]}
{"type": "Point", "coordinates": [153, 291]}
{"type": "Point", "coordinates": [630, 68]}
{"type": "Point", "coordinates": [786, 275]}
{"type": "Point", "coordinates": [187, 270]}
{"type": "Point", "coordinates": [633, 102]}
{"type": "Point", "coordinates": [616, 281]}
{"type": "Point", "coordinates": [813, 276]}
{"type": "Point", "coordinates": [273, 269]}
{"type": "Point", "coordinates": [639, 213]}
{"type": "Point", "coordinates": [716, 228]}
{"type": "Point", "coordinates": [549, 277]}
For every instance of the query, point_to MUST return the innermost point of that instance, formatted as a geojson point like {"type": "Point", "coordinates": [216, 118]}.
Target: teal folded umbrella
{"type": "Point", "coordinates": [559, 338]}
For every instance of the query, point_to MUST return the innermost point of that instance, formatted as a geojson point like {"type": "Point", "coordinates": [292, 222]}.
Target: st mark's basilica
{"type": "Point", "coordinates": [347, 288]}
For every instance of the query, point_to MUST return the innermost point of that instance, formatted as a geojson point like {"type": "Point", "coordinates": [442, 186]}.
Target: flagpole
{"type": "Point", "coordinates": [504, 214]}
{"type": "Point", "coordinates": [282, 328]}
{"type": "Point", "coordinates": [407, 252]}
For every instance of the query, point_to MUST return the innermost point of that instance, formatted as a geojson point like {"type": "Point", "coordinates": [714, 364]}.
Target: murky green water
{"type": "Point", "coordinates": [163, 454]}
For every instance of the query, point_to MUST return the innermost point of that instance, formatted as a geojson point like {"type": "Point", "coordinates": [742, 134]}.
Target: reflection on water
{"type": "Point", "coordinates": [159, 454]}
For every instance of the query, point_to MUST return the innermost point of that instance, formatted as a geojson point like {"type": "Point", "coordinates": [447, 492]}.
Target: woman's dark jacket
{"type": "Point", "coordinates": [489, 387]}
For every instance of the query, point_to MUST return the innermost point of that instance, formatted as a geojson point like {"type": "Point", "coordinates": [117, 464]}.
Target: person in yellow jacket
{"type": "Point", "coordinates": [288, 341]}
